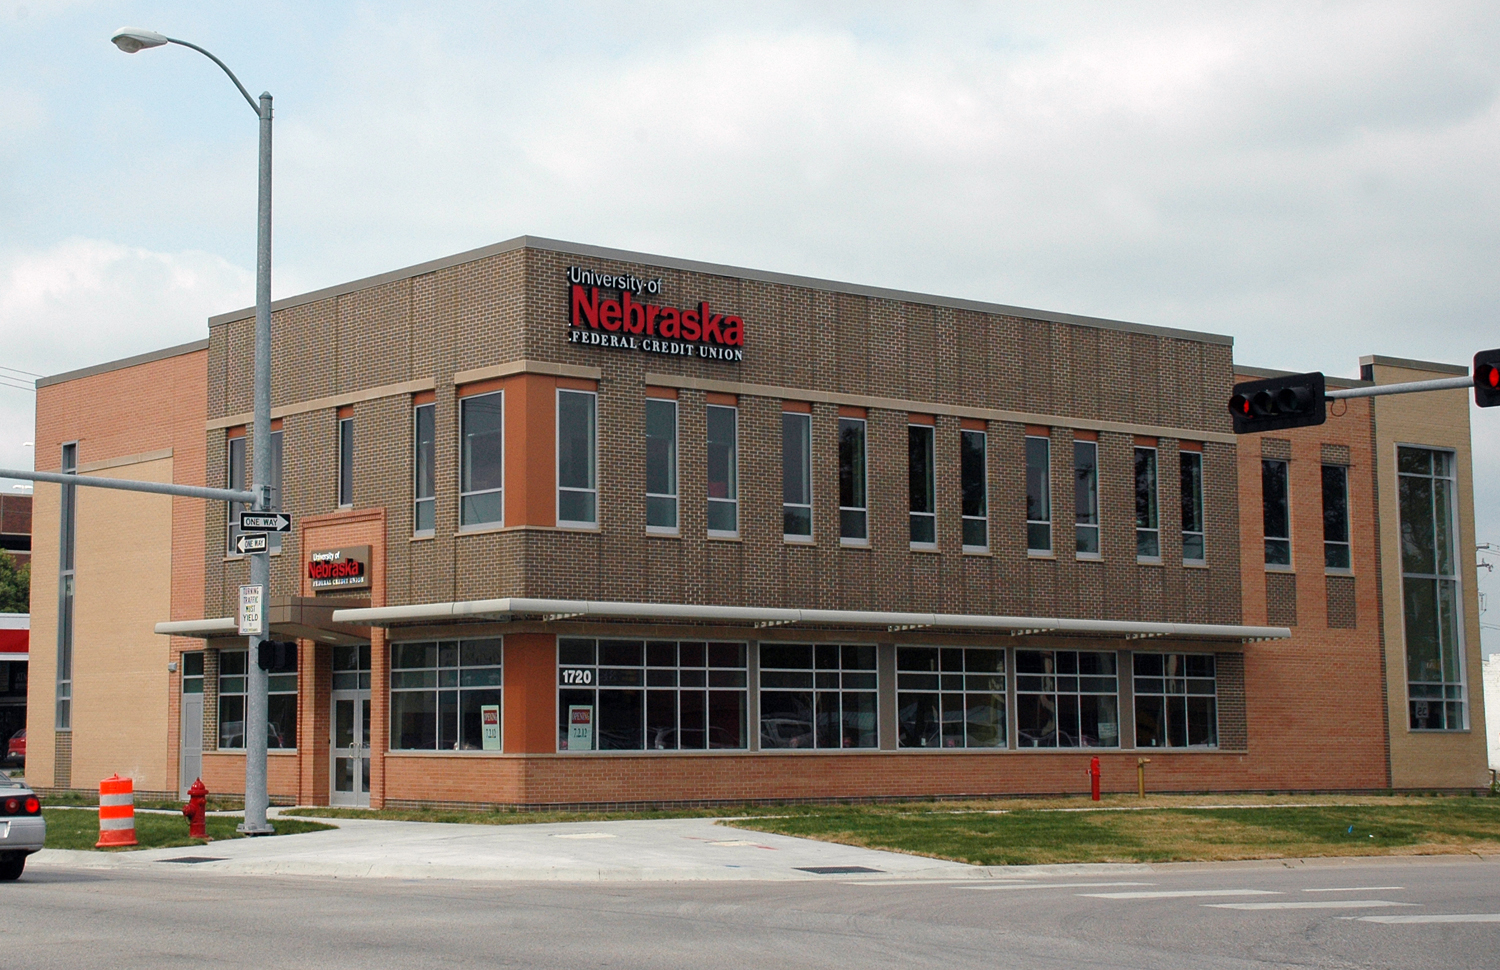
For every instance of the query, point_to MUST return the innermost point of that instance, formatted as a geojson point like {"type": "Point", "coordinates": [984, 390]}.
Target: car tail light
{"type": "Point", "coordinates": [33, 805]}
{"type": "Point", "coordinates": [21, 805]}
{"type": "Point", "coordinates": [13, 806]}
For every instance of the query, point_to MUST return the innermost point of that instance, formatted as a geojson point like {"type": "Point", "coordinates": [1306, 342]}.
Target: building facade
{"type": "Point", "coordinates": [579, 526]}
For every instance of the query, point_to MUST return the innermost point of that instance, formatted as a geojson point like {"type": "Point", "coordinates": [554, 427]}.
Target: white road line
{"type": "Point", "coordinates": [1434, 918]}
{"type": "Point", "coordinates": [1319, 904]}
{"type": "Point", "coordinates": [1184, 894]}
{"type": "Point", "coordinates": [933, 882]}
{"type": "Point", "coordinates": [1355, 889]}
{"type": "Point", "coordinates": [1057, 885]}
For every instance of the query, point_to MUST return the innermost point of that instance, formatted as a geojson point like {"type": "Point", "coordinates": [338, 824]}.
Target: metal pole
{"type": "Point", "coordinates": [1380, 390]}
{"type": "Point", "coordinates": [130, 485]}
{"type": "Point", "coordinates": [256, 796]}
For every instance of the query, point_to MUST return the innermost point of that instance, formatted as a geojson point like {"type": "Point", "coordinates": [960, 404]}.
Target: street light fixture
{"type": "Point", "coordinates": [130, 40]}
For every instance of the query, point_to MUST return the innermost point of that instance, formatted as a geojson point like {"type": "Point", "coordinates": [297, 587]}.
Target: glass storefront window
{"type": "Point", "coordinates": [818, 696]}
{"type": "Point", "coordinates": [950, 697]}
{"type": "Point", "coordinates": [1067, 699]}
{"type": "Point", "coordinates": [437, 691]}
{"type": "Point", "coordinates": [651, 695]}
{"type": "Point", "coordinates": [281, 700]}
{"type": "Point", "coordinates": [1176, 701]}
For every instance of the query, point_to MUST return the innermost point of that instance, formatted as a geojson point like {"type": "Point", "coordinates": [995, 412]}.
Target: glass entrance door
{"type": "Point", "coordinates": [351, 748]}
{"type": "Point", "coordinates": [349, 734]}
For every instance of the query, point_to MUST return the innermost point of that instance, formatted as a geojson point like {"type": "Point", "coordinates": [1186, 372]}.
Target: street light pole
{"type": "Point", "coordinates": [130, 40]}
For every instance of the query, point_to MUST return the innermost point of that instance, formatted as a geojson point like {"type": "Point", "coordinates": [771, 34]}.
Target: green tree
{"type": "Point", "coordinates": [15, 585]}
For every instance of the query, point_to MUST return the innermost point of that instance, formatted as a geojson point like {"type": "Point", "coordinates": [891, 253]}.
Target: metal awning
{"type": "Point", "coordinates": [502, 610]}
{"type": "Point", "coordinates": [289, 618]}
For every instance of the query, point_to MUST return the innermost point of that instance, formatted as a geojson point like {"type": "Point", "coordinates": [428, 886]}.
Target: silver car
{"type": "Point", "coordinates": [22, 828]}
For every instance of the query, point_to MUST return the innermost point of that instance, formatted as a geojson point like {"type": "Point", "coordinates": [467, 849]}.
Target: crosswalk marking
{"type": "Point", "coordinates": [1433, 918]}
{"type": "Point", "coordinates": [1057, 885]}
{"type": "Point", "coordinates": [1316, 904]}
{"type": "Point", "coordinates": [1183, 893]}
{"type": "Point", "coordinates": [1355, 889]}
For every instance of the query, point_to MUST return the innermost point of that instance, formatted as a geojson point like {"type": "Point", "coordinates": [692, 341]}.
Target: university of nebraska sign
{"type": "Point", "coordinates": [347, 567]}
{"type": "Point", "coordinates": [630, 323]}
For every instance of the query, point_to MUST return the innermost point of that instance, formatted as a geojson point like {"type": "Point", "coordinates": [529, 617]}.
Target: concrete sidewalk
{"type": "Point", "coordinates": [630, 851]}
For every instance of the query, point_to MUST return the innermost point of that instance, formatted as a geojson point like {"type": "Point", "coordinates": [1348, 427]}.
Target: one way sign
{"type": "Point", "coordinates": [248, 542]}
{"type": "Point", "coordinates": [265, 522]}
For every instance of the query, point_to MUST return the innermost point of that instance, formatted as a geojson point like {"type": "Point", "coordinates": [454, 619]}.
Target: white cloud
{"type": "Point", "coordinates": [87, 301]}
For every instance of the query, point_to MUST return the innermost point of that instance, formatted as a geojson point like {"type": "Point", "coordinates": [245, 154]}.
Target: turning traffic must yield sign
{"type": "Point", "coordinates": [265, 522]}
{"type": "Point", "coordinates": [247, 542]}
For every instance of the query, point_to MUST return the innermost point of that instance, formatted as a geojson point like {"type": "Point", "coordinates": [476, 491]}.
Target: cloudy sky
{"type": "Point", "coordinates": [1318, 180]}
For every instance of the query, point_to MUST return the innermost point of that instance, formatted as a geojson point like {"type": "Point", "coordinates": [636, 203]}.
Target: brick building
{"type": "Point", "coordinates": [536, 560]}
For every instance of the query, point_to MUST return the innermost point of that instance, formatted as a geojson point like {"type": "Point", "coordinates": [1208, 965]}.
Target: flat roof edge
{"type": "Point", "coordinates": [1331, 381]}
{"type": "Point", "coordinates": [721, 269]}
{"type": "Point", "coordinates": [122, 363]}
{"type": "Point", "coordinates": [1409, 363]}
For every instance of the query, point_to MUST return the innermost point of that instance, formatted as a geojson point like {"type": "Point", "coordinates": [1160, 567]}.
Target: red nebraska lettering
{"type": "Point", "coordinates": [590, 309]}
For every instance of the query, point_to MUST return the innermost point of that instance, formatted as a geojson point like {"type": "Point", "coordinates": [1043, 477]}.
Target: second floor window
{"type": "Point", "coordinates": [1336, 517]}
{"type": "Point", "coordinates": [661, 465]}
{"type": "Point", "coordinates": [973, 463]}
{"type": "Point", "coordinates": [577, 460]}
{"type": "Point", "coordinates": [482, 459]}
{"type": "Point", "coordinates": [1038, 494]}
{"type": "Point", "coordinates": [1275, 512]}
{"type": "Point", "coordinates": [1147, 514]}
{"type": "Point", "coordinates": [796, 476]}
{"type": "Point", "coordinates": [920, 485]}
{"type": "Point", "coordinates": [346, 462]}
{"type": "Point", "coordinates": [424, 485]}
{"type": "Point", "coordinates": [1086, 497]}
{"type": "Point", "coordinates": [723, 470]}
{"type": "Point", "coordinates": [853, 512]}
{"type": "Point", "coordinates": [1192, 506]}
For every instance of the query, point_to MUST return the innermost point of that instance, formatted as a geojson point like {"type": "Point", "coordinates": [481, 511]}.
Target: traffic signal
{"type": "Point", "coordinates": [1294, 401]}
{"type": "Point", "coordinates": [1487, 378]}
{"type": "Point", "coordinates": [277, 656]}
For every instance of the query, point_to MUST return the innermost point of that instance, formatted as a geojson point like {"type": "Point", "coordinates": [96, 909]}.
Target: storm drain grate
{"type": "Point", "coordinates": [836, 870]}
{"type": "Point", "coordinates": [194, 859]}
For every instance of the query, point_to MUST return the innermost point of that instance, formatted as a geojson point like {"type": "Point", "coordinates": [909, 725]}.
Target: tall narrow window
{"type": "Point", "coordinates": [346, 461]}
{"type": "Point", "coordinates": [973, 463]}
{"type": "Point", "coordinates": [68, 514]}
{"type": "Point", "coordinates": [1275, 513]}
{"type": "Point", "coordinates": [1336, 517]}
{"type": "Point", "coordinates": [1192, 506]}
{"type": "Point", "coordinates": [235, 478]}
{"type": "Point", "coordinates": [481, 420]}
{"type": "Point", "coordinates": [723, 470]}
{"type": "Point", "coordinates": [1435, 682]}
{"type": "Point", "coordinates": [1147, 515]}
{"type": "Point", "coordinates": [1086, 498]}
{"type": "Point", "coordinates": [424, 486]}
{"type": "Point", "coordinates": [1038, 494]}
{"type": "Point", "coordinates": [853, 512]}
{"type": "Point", "coordinates": [661, 465]}
{"type": "Point", "coordinates": [273, 539]}
{"type": "Point", "coordinates": [920, 485]}
{"type": "Point", "coordinates": [796, 476]}
{"type": "Point", "coordinates": [577, 461]}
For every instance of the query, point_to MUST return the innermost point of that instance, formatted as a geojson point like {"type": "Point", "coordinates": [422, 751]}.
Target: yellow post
{"type": "Point", "coordinates": [1140, 775]}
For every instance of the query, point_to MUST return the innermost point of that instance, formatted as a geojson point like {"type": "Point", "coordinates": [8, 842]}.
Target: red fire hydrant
{"type": "Point", "coordinates": [196, 810]}
{"type": "Point", "coordinates": [1094, 777]}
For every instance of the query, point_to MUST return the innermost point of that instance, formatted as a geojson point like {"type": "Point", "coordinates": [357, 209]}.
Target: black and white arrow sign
{"type": "Point", "coordinates": [265, 522]}
{"type": "Point", "coordinates": [248, 542]}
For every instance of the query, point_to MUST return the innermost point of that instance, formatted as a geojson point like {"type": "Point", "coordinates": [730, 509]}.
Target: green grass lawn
{"type": "Point", "coordinates": [72, 828]}
{"type": "Point", "coordinates": [995, 834]}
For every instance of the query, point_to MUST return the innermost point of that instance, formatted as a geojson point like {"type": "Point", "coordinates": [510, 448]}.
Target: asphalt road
{"type": "Point", "coordinates": [1371, 913]}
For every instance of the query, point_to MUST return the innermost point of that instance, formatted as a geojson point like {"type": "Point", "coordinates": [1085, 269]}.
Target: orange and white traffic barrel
{"type": "Point", "coordinates": [116, 812]}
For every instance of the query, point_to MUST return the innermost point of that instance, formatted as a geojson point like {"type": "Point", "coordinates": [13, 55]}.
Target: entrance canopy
{"type": "Point", "coordinates": [289, 618]}
{"type": "Point", "coordinates": [514, 608]}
